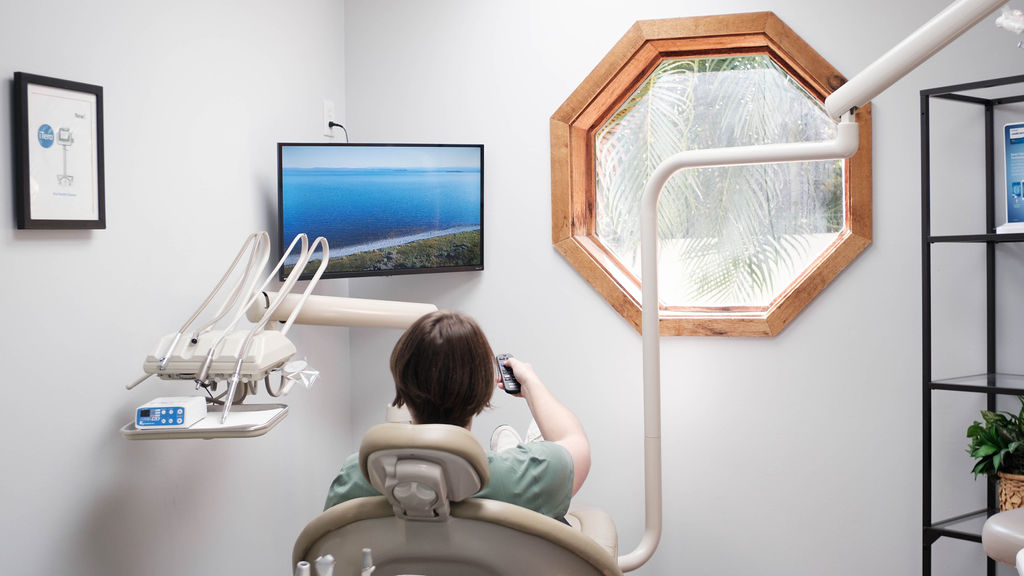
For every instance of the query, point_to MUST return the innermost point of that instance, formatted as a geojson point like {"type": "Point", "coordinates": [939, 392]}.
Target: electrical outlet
{"type": "Point", "coordinates": [328, 117]}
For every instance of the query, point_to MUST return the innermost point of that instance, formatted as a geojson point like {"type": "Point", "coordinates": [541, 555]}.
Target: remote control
{"type": "Point", "coordinates": [508, 379]}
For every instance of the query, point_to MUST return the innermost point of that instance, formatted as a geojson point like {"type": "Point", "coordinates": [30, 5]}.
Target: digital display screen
{"type": "Point", "coordinates": [385, 209]}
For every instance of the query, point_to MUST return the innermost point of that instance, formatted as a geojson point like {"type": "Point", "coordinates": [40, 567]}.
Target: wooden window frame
{"type": "Point", "coordinates": [645, 45]}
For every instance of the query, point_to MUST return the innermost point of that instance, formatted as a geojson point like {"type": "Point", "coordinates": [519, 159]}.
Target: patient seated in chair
{"type": "Point", "coordinates": [445, 373]}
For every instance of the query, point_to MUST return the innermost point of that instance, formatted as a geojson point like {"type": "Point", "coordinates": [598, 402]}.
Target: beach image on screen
{"type": "Point", "coordinates": [385, 209]}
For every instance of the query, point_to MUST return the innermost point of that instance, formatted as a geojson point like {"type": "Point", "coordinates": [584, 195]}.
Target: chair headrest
{"type": "Point", "coordinates": [420, 468]}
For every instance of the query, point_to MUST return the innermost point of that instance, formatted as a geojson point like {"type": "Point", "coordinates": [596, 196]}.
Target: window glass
{"type": "Point", "coordinates": [744, 249]}
{"type": "Point", "coordinates": [731, 237]}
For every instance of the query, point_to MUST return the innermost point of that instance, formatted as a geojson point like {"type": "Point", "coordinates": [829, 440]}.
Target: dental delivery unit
{"type": "Point", "coordinates": [242, 357]}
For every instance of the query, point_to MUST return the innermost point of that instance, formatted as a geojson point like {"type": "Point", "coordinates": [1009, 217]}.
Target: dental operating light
{"type": "Point", "coordinates": [841, 105]}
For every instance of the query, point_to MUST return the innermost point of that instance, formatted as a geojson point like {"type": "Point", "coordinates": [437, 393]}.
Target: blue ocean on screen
{"type": "Point", "coordinates": [360, 209]}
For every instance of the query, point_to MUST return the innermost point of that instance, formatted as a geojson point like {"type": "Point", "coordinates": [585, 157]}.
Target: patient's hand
{"type": "Point", "coordinates": [523, 372]}
{"type": "Point", "coordinates": [524, 375]}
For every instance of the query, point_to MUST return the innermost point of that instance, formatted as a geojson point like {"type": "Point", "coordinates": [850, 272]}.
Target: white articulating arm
{"type": "Point", "coordinates": [841, 104]}
{"type": "Point", "coordinates": [341, 311]}
{"type": "Point", "coordinates": [843, 146]}
{"type": "Point", "coordinates": [945, 27]}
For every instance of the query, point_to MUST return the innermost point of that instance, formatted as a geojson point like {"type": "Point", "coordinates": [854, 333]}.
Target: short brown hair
{"type": "Point", "coordinates": [443, 369]}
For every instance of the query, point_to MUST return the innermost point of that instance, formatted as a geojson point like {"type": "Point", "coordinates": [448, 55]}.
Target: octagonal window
{"type": "Point", "coordinates": [741, 249]}
{"type": "Point", "coordinates": [732, 237]}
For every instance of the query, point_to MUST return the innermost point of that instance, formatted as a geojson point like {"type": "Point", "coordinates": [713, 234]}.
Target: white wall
{"type": "Point", "coordinates": [799, 454]}
{"type": "Point", "coordinates": [196, 96]}
{"type": "Point", "coordinates": [793, 455]}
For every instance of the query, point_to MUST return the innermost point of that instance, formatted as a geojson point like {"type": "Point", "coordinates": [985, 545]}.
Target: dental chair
{"type": "Point", "coordinates": [1002, 537]}
{"type": "Point", "coordinates": [428, 523]}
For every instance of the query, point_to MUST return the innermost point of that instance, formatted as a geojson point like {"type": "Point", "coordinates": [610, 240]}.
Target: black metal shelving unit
{"type": "Point", "coordinates": [991, 383]}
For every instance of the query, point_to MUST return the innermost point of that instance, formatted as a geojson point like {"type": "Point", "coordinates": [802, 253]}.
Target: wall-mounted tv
{"type": "Point", "coordinates": [385, 209]}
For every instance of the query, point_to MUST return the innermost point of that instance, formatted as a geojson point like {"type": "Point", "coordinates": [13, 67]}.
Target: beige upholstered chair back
{"type": "Point", "coordinates": [413, 529]}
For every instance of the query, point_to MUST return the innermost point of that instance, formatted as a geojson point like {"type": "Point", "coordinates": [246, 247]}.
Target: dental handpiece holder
{"type": "Point", "coordinates": [239, 358]}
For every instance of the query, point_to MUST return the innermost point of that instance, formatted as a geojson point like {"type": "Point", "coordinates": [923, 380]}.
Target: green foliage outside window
{"type": "Point", "coordinates": [729, 237]}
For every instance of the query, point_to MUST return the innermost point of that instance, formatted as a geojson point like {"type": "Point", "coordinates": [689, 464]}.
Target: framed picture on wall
{"type": "Point", "coordinates": [1013, 148]}
{"type": "Point", "coordinates": [58, 153]}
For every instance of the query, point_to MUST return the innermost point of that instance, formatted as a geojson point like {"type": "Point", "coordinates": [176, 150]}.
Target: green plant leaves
{"type": "Point", "coordinates": [995, 439]}
{"type": "Point", "coordinates": [983, 451]}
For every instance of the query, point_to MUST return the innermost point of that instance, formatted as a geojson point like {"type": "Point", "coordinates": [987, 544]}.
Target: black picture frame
{"type": "Point", "coordinates": [58, 153]}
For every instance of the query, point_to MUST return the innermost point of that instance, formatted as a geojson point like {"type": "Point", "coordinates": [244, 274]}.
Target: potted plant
{"type": "Point", "coordinates": [997, 444]}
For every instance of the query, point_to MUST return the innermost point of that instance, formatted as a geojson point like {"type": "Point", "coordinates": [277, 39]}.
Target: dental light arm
{"type": "Point", "coordinates": [341, 311]}
{"type": "Point", "coordinates": [841, 104]}
{"type": "Point", "coordinates": [843, 146]}
{"type": "Point", "coordinates": [921, 45]}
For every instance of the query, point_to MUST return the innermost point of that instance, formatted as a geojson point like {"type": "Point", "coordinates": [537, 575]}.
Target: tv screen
{"type": "Point", "coordinates": [384, 209]}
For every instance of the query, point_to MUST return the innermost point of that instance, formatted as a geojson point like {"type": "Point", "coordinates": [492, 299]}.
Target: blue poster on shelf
{"type": "Point", "coordinates": [1013, 143]}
